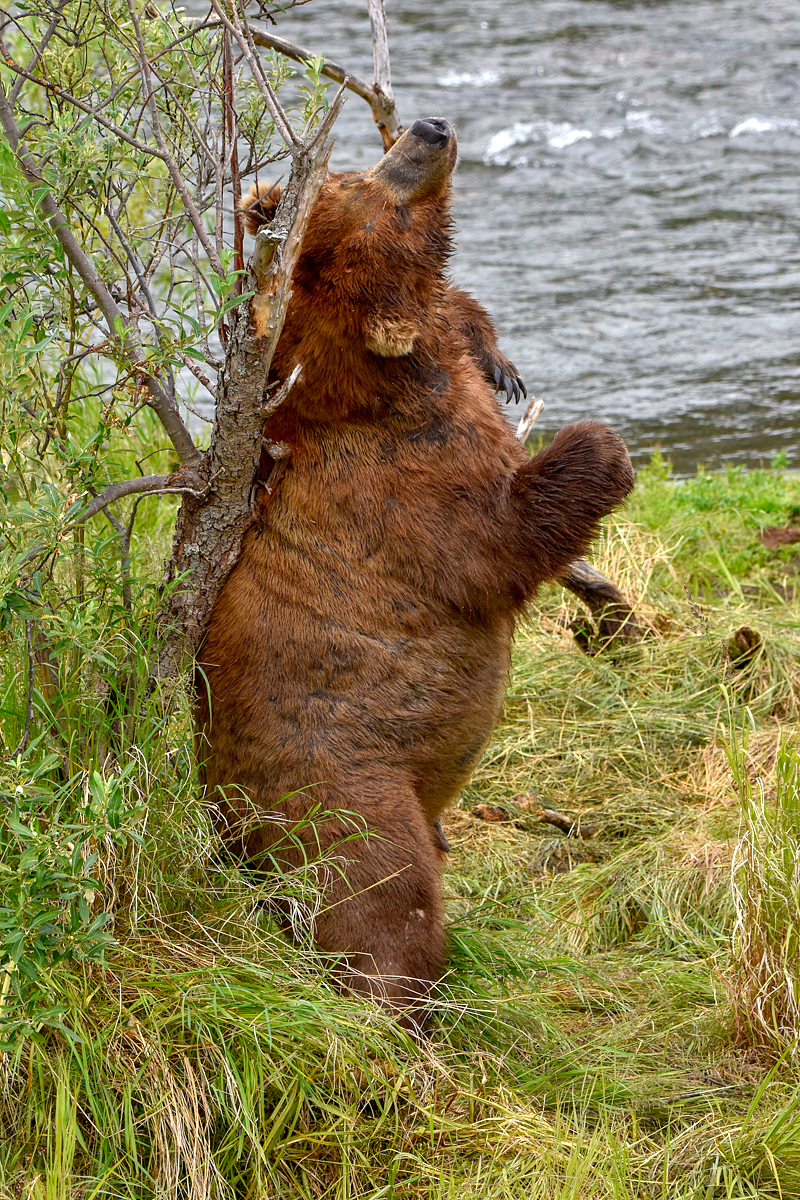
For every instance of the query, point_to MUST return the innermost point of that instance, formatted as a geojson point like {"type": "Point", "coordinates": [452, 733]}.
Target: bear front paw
{"type": "Point", "coordinates": [504, 373]}
{"type": "Point", "coordinates": [596, 459]}
{"type": "Point", "coordinates": [560, 496]}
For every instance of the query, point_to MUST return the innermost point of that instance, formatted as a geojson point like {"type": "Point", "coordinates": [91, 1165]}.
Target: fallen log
{"type": "Point", "coordinates": [612, 613]}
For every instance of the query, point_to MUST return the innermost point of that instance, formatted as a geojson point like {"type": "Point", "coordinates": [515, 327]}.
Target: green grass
{"type": "Point", "coordinates": [620, 1019]}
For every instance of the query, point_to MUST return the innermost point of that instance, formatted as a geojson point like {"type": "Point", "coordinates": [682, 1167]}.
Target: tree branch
{"type": "Point", "coordinates": [120, 328]}
{"type": "Point", "coordinates": [23, 744]}
{"type": "Point", "coordinates": [529, 418]}
{"type": "Point", "coordinates": [230, 126]}
{"type": "Point", "coordinates": [191, 482]}
{"type": "Point", "coordinates": [54, 90]}
{"type": "Point", "coordinates": [383, 108]}
{"type": "Point", "coordinates": [269, 41]}
{"type": "Point", "coordinates": [240, 32]}
{"type": "Point", "coordinates": [159, 151]}
{"type": "Point", "coordinates": [38, 50]}
{"type": "Point", "coordinates": [177, 179]}
{"type": "Point", "coordinates": [380, 48]}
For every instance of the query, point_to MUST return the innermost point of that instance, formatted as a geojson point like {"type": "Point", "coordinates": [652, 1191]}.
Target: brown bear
{"type": "Point", "coordinates": [357, 656]}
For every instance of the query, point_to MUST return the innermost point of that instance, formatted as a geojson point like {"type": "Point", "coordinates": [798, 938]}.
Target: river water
{"type": "Point", "coordinates": [626, 200]}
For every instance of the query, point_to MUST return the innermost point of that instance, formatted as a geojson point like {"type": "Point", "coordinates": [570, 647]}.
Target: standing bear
{"type": "Point", "coordinates": [357, 656]}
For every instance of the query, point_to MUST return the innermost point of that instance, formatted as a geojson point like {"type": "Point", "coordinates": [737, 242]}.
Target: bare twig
{"type": "Point", "coordinates": [118, 323]}
{"type": "Point", "coordinates": [132, 259]}
{"type": "Point", "coordinates": [270, 41]}
{"type": "Point", "coordinates": [200, 376]}
{"type": "Point", "coordinates": [54, 90]}
{"type": "Point", "coordinates": [275, 399]}
{"type": "Point", "coordinates": [245, 43]}
{"type": "Point", "coordinates": [178, 181]}
{"type": "Point", "coordinates": [231, 127]}
{"type": "Point", "coordinates": [327, 122]}
{"type": "Point", "coordinates": [123, 533]}
{"type": "Point", "coordinates": [175, 483]}
{"type": "Point", "coordinates": [383, 107]}
{"type": "Point", "coordinates": [529, 418]}
{"type": "Point", "coordinates": [380, 48]}
{"type": "Point", "coordinates": [571, 826]}
{"type": "Point", "coordinates": [38, 51]}
{"type": "Point", "coordinates": [175, 102]}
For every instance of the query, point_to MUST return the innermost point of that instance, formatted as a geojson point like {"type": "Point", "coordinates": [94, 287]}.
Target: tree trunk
{"type": "Point", "coordinates": [210, 528]}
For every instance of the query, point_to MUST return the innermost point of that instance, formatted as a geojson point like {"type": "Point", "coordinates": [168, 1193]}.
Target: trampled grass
{"type": "Point", "coordinates": [620, 1019]}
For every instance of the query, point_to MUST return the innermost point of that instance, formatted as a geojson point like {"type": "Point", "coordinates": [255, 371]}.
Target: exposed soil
{"type": "Point", "coordinates": [775, 536]}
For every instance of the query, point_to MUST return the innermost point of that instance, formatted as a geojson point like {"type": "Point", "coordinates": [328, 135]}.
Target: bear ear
{"type": "Point", "coordinates": [390, 337]}
{"type": "Point", "coordinates": [258, 205]}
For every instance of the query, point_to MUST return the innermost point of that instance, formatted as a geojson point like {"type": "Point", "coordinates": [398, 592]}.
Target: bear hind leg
{"type": "Point", "coordinates": [382, 910]}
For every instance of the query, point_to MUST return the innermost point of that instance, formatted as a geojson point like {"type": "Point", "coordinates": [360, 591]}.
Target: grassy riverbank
{"type": "Point", "coordinates": [620, 1018]}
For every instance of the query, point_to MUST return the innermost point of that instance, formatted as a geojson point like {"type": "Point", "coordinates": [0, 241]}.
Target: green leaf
{"type": "Point", "coordinates": [17, 827]}
{"type": "Point", "coordinates": [233, 301]}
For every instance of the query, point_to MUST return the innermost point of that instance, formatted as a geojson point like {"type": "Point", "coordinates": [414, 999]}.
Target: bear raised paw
{"type": "Point", "coordinates": [357, 656]}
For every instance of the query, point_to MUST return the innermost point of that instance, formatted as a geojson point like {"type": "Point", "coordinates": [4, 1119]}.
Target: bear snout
{"type": "Point", "coordinates": [433, 130]}
{"type": "Point", "coordinates": [420, 162]}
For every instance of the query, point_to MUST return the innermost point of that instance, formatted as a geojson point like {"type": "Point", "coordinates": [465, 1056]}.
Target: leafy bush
{"type": "Point", "coordinates": [51, 901]}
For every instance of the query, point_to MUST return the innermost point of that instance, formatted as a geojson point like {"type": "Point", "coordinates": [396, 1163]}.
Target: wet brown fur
{"type": "Point", "coordinates": [357, 657]}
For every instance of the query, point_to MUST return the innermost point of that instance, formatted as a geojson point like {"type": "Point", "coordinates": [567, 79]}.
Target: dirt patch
{"type": "Point", "coordinates": [775, 536]}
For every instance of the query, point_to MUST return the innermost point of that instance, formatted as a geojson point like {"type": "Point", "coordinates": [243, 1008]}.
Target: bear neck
{"type": "Point", "coordinates": [342, 380]}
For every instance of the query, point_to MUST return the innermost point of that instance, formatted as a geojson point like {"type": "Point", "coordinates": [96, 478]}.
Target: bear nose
{"type": "Point", "coordinates": [433, 130]}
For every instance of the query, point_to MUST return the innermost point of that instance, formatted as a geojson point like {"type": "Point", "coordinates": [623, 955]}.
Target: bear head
{"type": "Point", "coordinates": [376, 245]}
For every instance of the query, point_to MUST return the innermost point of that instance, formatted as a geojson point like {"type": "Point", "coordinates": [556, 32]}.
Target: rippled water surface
{"type": "Point", "coordinates": [626, 199]}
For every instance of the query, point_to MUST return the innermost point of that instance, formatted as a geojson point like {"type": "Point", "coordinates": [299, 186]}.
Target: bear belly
{"type": "Point", "coordinates": [337, 673]}
{"type": "Point", "coordinates": [359, 639]}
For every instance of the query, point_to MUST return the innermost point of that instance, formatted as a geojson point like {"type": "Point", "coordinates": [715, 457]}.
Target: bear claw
{"type": "Point", "coordinates": [512, 385]}
{"type": "Point", "coordinates": [514, 388]}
